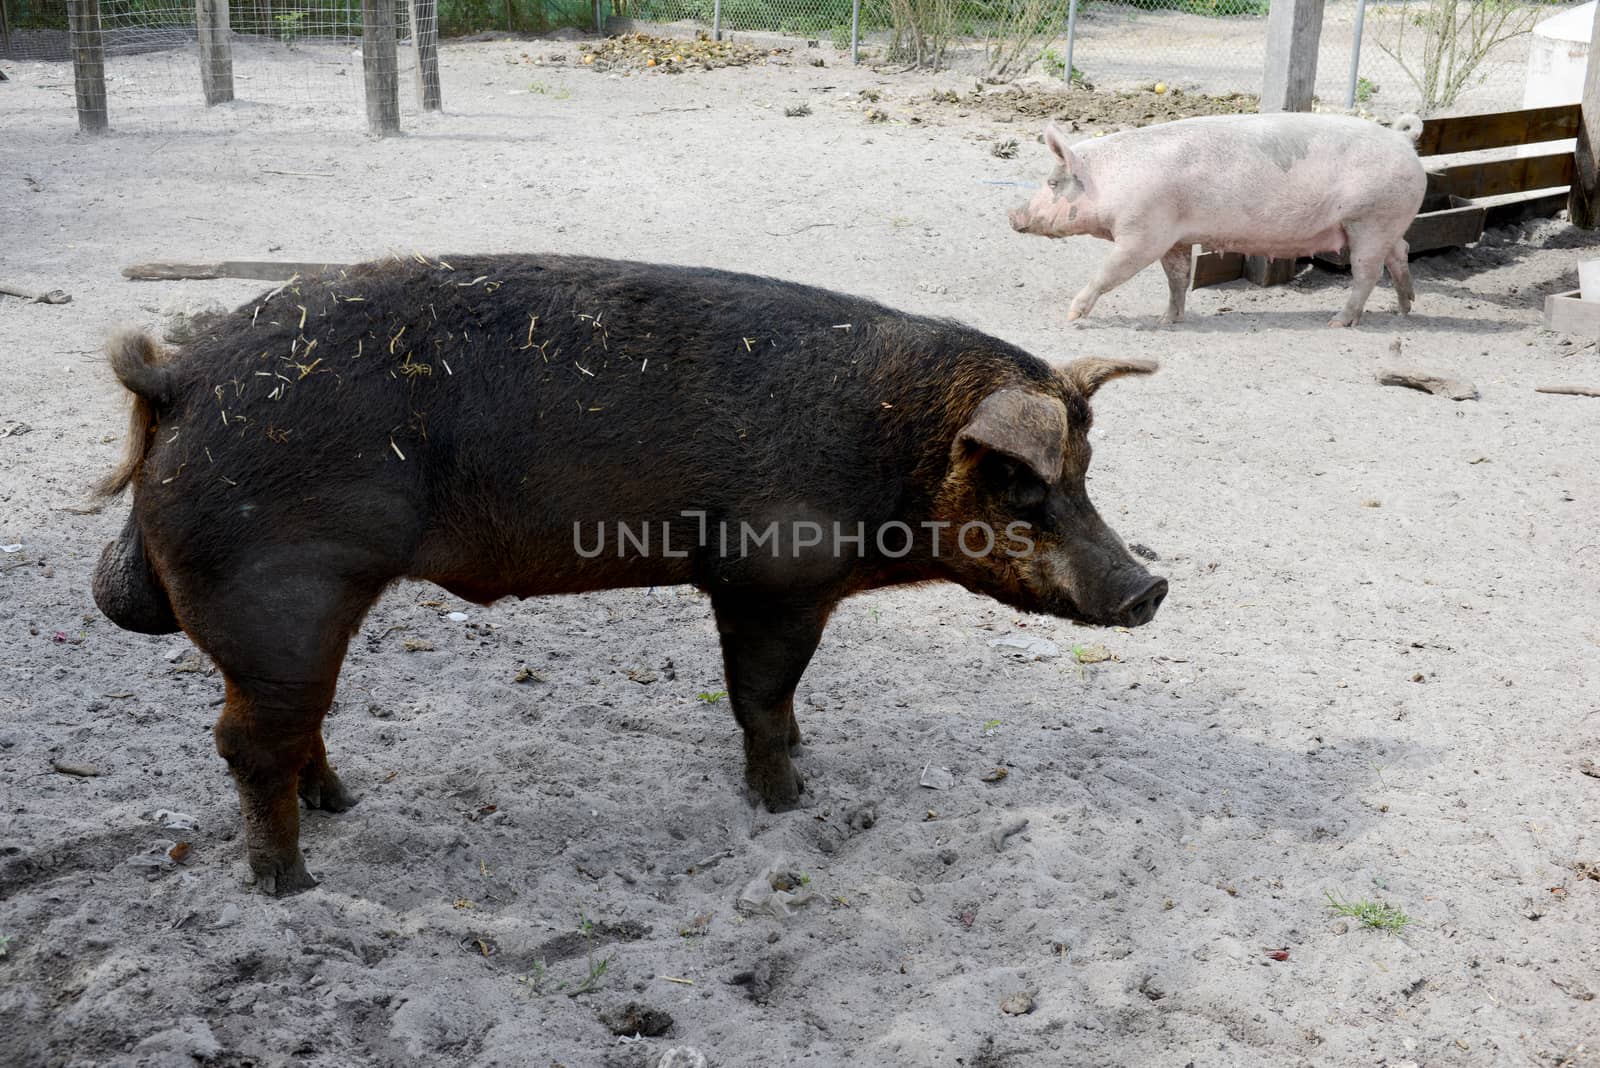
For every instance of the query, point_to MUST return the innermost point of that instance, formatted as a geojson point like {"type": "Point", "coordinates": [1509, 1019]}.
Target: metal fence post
{"type": "Point", "coordinates": [716, 21]}
{"type": "Point", "coordinates": [1072, 31]}
{"type": "Point", "coordinates": [855, 31]}
{"type": "Point", "coordinates": [1355, 55]}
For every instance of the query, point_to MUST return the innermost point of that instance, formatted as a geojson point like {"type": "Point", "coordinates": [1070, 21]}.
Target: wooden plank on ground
{"type": "Point", "coordinates": [1569, 391]}
{"type": "Point", "coordinates": [1214, 268]}
{"type": "Point", "coordinates": [49, 296]}
{"type": "Point", "coordinates": [1500, 129]}
{"type": "Point", "coordinates": [1499, 176]}
{"type": "Point", "coordinates": [1570, 315]}
{"type": "Point", "coordinates": [266, 270]}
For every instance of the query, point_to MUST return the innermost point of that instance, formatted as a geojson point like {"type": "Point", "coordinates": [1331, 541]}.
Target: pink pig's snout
{"type": "Point", "coordinates": [1020, 218]}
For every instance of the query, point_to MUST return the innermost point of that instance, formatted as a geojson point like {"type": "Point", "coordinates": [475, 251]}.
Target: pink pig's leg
{"type": "Point", "coordinates": [1177, 264]}
{"type": "Point", "coordinates": [1369, 249]}
{"type": "Point", "coordinates": [1399, 264]}
{"type": "Point", "coordinates": [1125, 261]}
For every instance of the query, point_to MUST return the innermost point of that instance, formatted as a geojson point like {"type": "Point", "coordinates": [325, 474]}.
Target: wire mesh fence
{"type": "Point", "coordinates": [1427, 56]}
{"type": "Point", "coordinates": [165, 60]}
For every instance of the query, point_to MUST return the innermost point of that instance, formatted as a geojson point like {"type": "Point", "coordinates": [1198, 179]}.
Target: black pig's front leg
{"type": "Point", "coordinates": [767, 641]}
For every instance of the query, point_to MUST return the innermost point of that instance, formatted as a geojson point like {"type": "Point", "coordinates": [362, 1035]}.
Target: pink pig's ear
{"type": "Point", "coordinates": [1058, 147]}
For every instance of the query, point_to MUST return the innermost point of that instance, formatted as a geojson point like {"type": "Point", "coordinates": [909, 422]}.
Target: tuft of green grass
{"type": "Point", "coordinates": [1374, 914]}
{"type": "Point", "coordinates": [991, 726]}
{"type": "Point", "coordinates": [5, 942]}
{"type": "Point", "coordinates": [537, 978]}
{"type": "Point", "coordinates": [597, 968]}
{"type": "Point", "coordinates": [711, 698]}
{"type": "Point", "coordinates": [289, 27]}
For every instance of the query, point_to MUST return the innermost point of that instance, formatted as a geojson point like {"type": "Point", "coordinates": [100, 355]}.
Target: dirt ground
{"type": "Point", "coordinates": [1377, 677]}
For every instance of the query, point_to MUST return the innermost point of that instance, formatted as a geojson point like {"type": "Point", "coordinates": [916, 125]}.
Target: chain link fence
{"type": "Point", "coordinates": [1435, 57]}
{"type": "Point", "coordinates": [1426, 56]}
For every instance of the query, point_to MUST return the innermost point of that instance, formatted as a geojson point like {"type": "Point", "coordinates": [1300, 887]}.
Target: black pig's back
{"type": "Point", "coordinates": [462, 413]}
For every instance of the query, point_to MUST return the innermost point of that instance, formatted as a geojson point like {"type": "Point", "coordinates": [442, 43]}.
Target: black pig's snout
{"type": "Point", "coordinates": [1140, 606]}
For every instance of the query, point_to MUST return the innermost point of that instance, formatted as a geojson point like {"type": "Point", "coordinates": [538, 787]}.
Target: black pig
{"type": "Point", "coordinates": [532, 425]}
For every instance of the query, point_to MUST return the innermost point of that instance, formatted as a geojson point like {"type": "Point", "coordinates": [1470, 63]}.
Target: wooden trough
{"type": "Point", "coordinates": [1462, 200]}
{"type": "Point", "coordinates": [1570, 314]}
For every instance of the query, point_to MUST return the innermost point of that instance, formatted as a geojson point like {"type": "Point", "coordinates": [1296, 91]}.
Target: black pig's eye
{"type": "Point", "coordinates": [1016, 482]}
{"type": "Point", "coordinates": [1026, 490]}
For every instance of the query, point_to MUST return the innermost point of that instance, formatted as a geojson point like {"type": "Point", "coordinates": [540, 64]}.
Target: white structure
{"type": "Point", "coordinates": [1557, 55]}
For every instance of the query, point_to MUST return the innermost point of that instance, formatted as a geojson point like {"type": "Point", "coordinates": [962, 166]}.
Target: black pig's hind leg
{"type": "Point", "coordinates": [279, 645]}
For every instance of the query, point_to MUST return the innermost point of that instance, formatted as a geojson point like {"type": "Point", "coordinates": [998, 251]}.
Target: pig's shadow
{"type": "Point", "coordinates": [1529, 299]}
{"type": "Point", "coordinates": [1139, 768]}
{"type": "Point", "coordinates": [1236, 322]}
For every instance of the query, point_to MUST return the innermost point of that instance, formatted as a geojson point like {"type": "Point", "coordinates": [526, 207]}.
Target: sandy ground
{"type": "Point", "coordinates": [1377, 675]}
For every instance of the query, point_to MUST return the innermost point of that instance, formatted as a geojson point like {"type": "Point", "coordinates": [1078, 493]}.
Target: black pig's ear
{"type": "Point", "coordinates": [1092, 372]}
{"type": "Point", "coordinates": [1028, 427]}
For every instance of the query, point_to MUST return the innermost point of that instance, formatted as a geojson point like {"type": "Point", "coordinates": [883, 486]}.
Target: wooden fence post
{"type": "Point", "coordinates": [216, 50]}
{"type": "Point", "coordinates": [1293, 30]}
{"type": "Point", "coordinates": [88, 64]}
{"type": "Point", "coordinates": [1583, 201]}
{"type": "Point", "coordinates": [379, 64]}
{"type": "Point", "coordinates": [425, 40]}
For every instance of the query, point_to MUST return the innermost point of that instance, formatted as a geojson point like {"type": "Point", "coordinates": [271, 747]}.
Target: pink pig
{"type": "Point", "coordinates": [1289, 184]}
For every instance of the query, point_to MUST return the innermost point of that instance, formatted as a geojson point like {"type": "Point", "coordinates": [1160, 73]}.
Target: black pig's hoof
{"type": "Point", "coordinates": [780, 787]}
{"type": "Point", "coordinates": [278, 879]}
{"type": "Point", "coordinates": [325, 791]}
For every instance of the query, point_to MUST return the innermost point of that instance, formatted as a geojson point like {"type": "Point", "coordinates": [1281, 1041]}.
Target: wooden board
{"type": "Point", "coordinates": [1473, 180]}
{"type": "Point", "coordinates": [1450, 228]}
{"type": "Point", "coordinates": [266, 270]}
{"type": "Point", "coordinates": [1215, 268]}
{"type": "Point", "coordinates": [1501, 129]}
{"type": "Point", "coordinates": [1534, 205]}
{"type": "Point", "coordinates": [1570, 315]}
